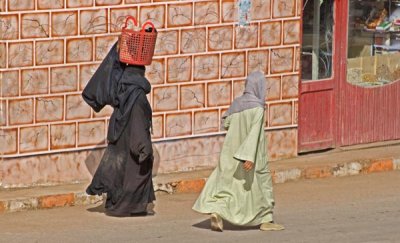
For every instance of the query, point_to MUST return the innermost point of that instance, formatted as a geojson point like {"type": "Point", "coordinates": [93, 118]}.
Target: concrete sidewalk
{"type": "Point", "coordinates": [335, 163]}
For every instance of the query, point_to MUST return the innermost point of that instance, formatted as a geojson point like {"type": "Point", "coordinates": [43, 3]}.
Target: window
{"type": "Point", "coordinates": [373, 56]}
{"type": "Point", "coordinates": [317, 46]}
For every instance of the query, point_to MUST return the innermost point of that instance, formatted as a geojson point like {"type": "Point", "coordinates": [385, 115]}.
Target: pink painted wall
{"type": "Point", "coordinates": [50, 48]}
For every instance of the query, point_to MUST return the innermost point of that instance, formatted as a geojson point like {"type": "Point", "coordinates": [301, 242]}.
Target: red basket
{"type": "Point", "coordinates": [137, 47]}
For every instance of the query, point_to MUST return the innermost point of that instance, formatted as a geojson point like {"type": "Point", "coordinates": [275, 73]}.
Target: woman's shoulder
{"type": "Point", "coordinates": [251, 111]}
{"type": "Point", "coordinates": [248, 113]}
{"type": "Point", "coordinates": [254, 110]}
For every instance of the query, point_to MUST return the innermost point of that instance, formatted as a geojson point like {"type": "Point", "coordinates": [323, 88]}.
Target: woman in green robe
{"type": "Point", "coordinates": [240, 188]}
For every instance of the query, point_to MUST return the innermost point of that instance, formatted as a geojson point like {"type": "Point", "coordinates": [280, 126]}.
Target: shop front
{"type": "Point", "coordinates": [350, 87]}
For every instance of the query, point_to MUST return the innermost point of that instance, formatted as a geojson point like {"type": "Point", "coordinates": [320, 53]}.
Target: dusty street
{"type": "Point", "coordinates": [351, 209]}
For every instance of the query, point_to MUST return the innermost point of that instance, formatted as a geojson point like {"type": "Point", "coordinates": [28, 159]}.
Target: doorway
{"type": "Point", "coordinates": [350, 87]}
{"type": "Point", "coordinates": [319, 75]}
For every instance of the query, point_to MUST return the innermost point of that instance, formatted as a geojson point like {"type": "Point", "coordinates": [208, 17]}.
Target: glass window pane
{"type": "Point", "coordinates": [373, 56]}
{"type": "Point", "coordinates": [317, 39]}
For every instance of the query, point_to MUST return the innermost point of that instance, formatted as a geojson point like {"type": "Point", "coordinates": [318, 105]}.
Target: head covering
{"type": "Point", "coordinates": [253, 95]}
{"type": "Point", "coordinates": [118, 85]}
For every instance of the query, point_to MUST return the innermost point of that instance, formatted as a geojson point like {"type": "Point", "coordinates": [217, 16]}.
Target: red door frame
{"type": "Point", "coordinates": [343, 8]}
{"type": "Point", "coordinates": [318, 102]}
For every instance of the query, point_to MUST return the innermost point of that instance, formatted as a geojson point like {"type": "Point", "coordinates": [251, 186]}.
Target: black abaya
{"type": "Point", "coordinates": [125, 171]}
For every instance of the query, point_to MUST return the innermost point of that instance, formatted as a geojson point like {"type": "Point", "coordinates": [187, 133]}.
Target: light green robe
{"type": "Point", "coordinates": [238, 196]}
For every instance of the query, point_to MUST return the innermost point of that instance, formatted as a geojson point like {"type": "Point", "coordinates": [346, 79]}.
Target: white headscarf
{"type": "Point", "coordinates": [253, 95]}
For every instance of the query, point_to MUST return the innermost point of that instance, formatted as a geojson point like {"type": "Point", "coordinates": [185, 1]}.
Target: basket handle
{"type": "Point", "coordinates": [148, 23]}
{"type": "Point", "coordinates": [130, 18]}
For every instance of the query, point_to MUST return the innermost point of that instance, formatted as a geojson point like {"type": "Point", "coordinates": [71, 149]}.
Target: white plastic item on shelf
{"type": "Point", "coordinates": [395, 14]}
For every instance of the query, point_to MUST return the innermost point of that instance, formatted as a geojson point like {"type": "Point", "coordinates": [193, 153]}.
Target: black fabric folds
{"type": "Point", "coordinates": [125, 170]}
{"type": "Point", "coordinates": [116, 84]}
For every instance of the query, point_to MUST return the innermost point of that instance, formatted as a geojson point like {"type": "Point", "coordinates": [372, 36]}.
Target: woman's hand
{"type": "Point", "coordinates": [248, 165]}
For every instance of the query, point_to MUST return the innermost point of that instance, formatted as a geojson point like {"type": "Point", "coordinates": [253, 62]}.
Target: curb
{"type": "Point", "coordinates": [294, 174]}
{"type": "Point", "coordinates": [335, 170]}
{"type": "Point", "coordinates": [196, 185]}
{"type": "Point", "coordinates": [48, 201]}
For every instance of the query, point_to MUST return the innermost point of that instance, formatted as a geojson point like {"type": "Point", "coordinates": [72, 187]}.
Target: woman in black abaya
{"type": "Point", "coordinates": [125, 170]}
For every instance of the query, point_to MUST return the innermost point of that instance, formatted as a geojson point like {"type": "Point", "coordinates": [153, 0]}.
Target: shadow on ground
{"type": "Point", "coordinates": [98, 209]}
{"type": "Point", "coordinates": [227, 226]}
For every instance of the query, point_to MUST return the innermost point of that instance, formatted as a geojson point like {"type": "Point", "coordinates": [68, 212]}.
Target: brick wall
{"type": "Point", "coordinates": [50, 48]}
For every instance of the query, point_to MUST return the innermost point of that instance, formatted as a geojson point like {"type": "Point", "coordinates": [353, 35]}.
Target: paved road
{"type": "Point", "coordinates": [362, 208]}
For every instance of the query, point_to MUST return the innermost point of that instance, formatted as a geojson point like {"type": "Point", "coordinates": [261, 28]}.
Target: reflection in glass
{"type": "Point", "coordinates": [317, 39]}
{"type": "Point", "coordinates": [373, 56]}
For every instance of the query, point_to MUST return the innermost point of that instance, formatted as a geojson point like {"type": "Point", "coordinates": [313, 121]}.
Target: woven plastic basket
{"type": "Point", "coordinates": [136, 47]}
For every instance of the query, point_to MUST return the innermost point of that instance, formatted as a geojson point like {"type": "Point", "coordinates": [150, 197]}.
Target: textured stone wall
{"type": "Point", "coordinates": [50, 48]}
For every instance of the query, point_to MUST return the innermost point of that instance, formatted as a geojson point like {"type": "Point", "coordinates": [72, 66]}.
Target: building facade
{"type": "Point", "coordinates": [50, 48]}
{"type": "Point", "coordinates": [345, 91]}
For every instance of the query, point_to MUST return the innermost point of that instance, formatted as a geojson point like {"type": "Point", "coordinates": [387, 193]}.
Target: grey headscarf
{"type": "Point", "coordinates": [253, 95]}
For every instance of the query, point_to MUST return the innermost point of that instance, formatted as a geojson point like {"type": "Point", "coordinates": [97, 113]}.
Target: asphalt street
{"type": "Point", "coordinates": [364, 208]}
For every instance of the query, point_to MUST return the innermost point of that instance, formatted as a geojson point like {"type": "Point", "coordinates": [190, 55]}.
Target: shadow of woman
{"type": "Point", "coordinates": [205, 224]}
{"type": "Point", "coordinates": [92, 161]}
{"type": "Point", "coordinates": [156, 161]}
{"type": "Point", "coordinates": [100, 208]}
